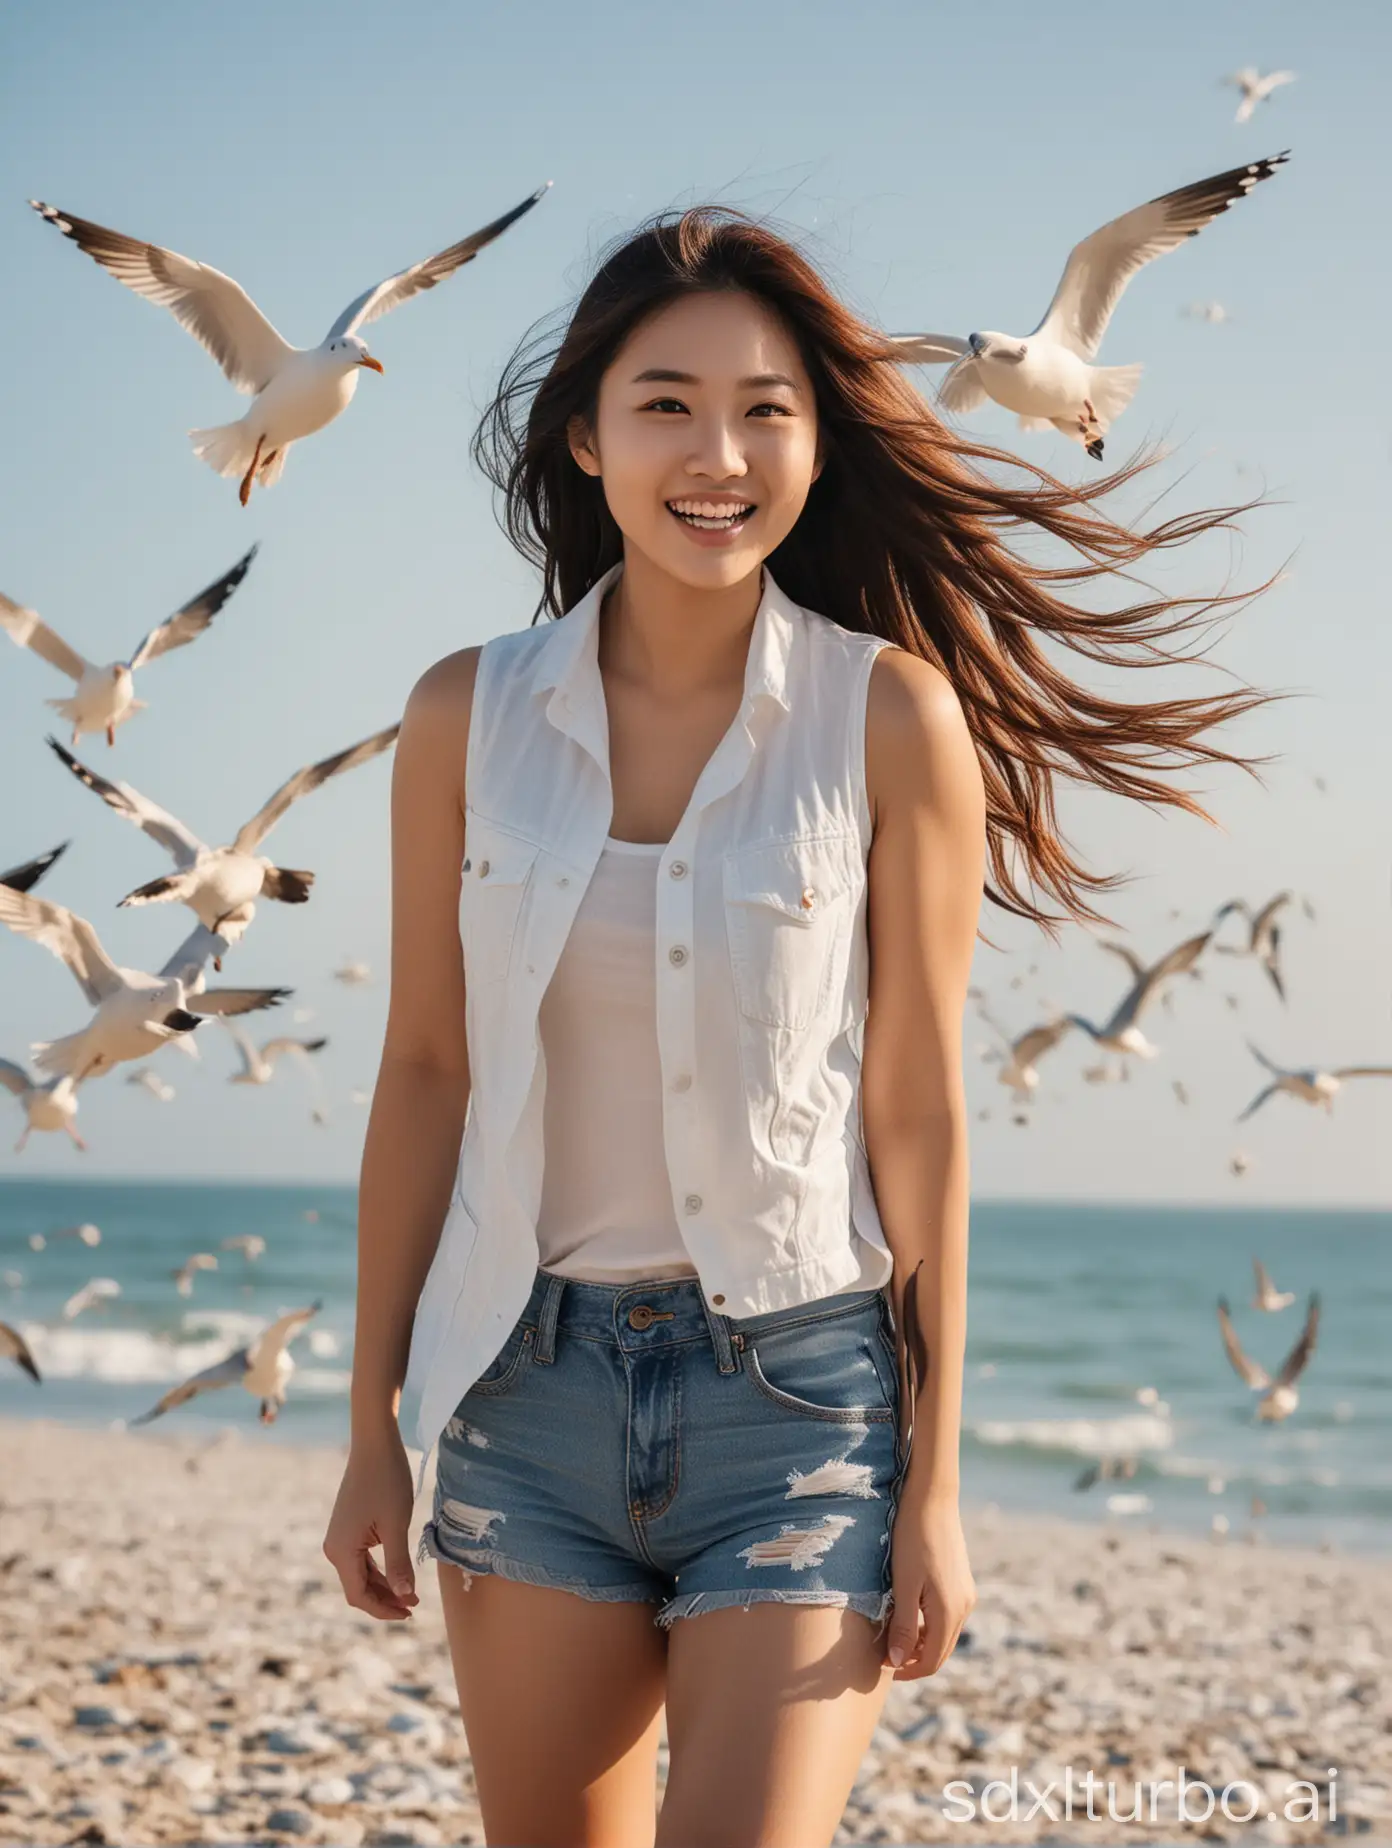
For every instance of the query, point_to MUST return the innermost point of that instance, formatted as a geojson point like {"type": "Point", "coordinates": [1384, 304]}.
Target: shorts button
{"type": "Point", "coordinates": [640, 1316]}
{"type": "Point", "coordinates": [717, 1299]}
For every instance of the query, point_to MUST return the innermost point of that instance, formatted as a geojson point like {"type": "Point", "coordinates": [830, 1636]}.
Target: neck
{"type": "Point", "coordinates": [672, 639]}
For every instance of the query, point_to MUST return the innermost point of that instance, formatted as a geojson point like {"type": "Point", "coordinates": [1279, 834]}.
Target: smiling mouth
{"type": "Point", "coordinates": [711, 516]}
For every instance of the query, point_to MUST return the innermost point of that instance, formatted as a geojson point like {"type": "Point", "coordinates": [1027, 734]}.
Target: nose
{"type": "Point", "coordinates": [718, 454]}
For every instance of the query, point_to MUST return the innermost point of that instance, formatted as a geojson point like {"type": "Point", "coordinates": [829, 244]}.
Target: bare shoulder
{"type": "Point", "coordinates": [917, 740]}
{"type": "Point", "coordinates": [434, 738]}
{"type": "Point", "coordinates": [446, 690]}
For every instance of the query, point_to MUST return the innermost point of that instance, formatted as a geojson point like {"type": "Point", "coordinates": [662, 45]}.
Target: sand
{"type": "Point", "coordinates": [177, 1664]}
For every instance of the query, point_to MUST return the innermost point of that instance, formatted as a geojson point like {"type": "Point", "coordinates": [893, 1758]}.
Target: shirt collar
{"type": "Point", "coordinates": [567, 663]}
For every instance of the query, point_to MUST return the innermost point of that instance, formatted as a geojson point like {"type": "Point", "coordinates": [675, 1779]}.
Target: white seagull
{"type": "Point", "coordinates": [148, 1079]}
{"type": "Point", "coordinates": [24, 878]}
{"type": "Point", "coordinates": [1255, 88]}
{"type": "Point", "coordinates": [47, 1106]}
{"type": "Point", "coordinates": [1121, 1032]}
{"type": "Point", "coordinates": [184, 1276]}
{"type": "Point", "coordinates": [14, 1347]}
{"type": "Point", "coordinates": [353, 974]}
{"type": "Point", "coordinates": [1313, 1085]}
{"type": "Point", "coordinates": [1047, 377]}
{"type": "Point", "coordinates": [258, 1063]}
{"type": "Point", "coordinates": [104, 695]}
{"type": "Point", "coordinates": [1263, 935]}
{"type": "Point", "coordinates": [221, 884]}
{"type": "Point", "coordinates": [1019, 1065]}
{"type": "Point", "coordinates": [1265, 1294]}
{"type": "Point", "coordinates": [1279, 1396]}
{"type": "Point", "coordinates": [135, 1013]}
{"type": "Point", "coordinates": [263, 1367]}
{"type": "Point", "coordinates": [95, 1290]}
{"type": "Point", "coordinates": [296, 391]}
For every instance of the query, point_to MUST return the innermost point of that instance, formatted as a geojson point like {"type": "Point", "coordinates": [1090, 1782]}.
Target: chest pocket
{"type": "Point", "coordinates": [787, 907]}
{"type": "Point", "coordinates": [496, 871]}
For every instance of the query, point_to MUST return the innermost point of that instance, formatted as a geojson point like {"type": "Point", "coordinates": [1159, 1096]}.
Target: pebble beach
{"type": "Point", "coordinates": [177, 1664]}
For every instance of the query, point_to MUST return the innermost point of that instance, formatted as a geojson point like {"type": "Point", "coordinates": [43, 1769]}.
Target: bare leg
{"type": "Point", "coordinates": [561, 1698]}
{"type": "Point", "coordinates": [769, 1713]}
{"type": "Point", "coordinates": [244, 493]}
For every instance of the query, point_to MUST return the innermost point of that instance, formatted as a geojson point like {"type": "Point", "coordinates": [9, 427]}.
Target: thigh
{"type": "Point", "coordinates": [561, 1698]}
{"type": "Point", "coordinates": [769, 1713]}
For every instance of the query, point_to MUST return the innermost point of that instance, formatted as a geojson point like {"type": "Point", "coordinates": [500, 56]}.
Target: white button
{"type": "Point", "coordinates": [677, 955]}
{"type": "Point", "coordinates": [483, 869]}
{"type": "Point", "coordinates": [682, 1082]}
{"type": "Point", "coordinates": [563, 880]}
{"type": "Point", "coordinates": [677, 869]}
{"type": "Point", "coordinates": [530, 969]}
{"type": "Point", "coordinates": [694, 1203]}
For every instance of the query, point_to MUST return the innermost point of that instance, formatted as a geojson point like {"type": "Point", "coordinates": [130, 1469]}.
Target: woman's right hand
{"type": "Point", "coordinates": [374, 1509]}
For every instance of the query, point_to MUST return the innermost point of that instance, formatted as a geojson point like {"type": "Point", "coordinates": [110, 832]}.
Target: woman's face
{"type": "Point", "coordinates": [705, 438]}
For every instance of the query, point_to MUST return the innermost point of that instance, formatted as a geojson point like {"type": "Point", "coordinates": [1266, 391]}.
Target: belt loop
{"type": "Point", "coordinates": [545, 1349]}
{"type": "Point", "coordinates": [726, 1358]}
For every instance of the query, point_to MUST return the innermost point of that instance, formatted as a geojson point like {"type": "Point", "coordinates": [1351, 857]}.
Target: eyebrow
{"type": "Point", "coordinates": [664, 375]}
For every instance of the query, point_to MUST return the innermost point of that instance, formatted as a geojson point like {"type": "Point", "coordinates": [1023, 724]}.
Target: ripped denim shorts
{"type": "Point", "coordinates": [629, 1443]}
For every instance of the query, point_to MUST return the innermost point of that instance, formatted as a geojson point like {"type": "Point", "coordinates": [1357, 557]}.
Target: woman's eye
{"type": "Point", "coordinates": [770, 410]}
{"type": "Point", "coordinates": [664, 404]}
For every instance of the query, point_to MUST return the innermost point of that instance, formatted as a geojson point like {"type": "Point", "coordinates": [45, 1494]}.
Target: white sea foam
{"type": "Point", "coordinates": [1082, 1437]}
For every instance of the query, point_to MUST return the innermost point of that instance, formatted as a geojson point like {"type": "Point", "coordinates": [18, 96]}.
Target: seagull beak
{"type": "Point", "coordinates": [373, 365]}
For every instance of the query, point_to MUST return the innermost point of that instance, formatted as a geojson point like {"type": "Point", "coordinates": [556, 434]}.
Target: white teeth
{"type": "Point", "coordinates": [713, 516]}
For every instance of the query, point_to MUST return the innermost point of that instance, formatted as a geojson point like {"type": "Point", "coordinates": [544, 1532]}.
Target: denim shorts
{"type": "Point", "coordinates": [630, 1444]}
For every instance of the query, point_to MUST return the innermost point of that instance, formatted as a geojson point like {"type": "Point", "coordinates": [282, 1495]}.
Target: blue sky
{"type": "Point", "coordinates": [939, 162]}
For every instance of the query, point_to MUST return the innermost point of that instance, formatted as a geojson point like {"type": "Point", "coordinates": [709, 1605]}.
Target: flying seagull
{"type": "Point", "coordinates": [1263, 935]}
{"type": "Point", "coordinates": [95, 1290]}
{"type": "Point", "coordinates": [14, 1347]}
{"type": "Point", "coordinates": [1265, 1294]}
{"type": "Point", "coordinates": [221, 884]}
{"type": "Point", "coordinates": [263, 1367]}
{"type": "Point", "coordinates": [353, 974]}
{"type": "Point", "coordinates": [24, 878]}
{"type": "Point", "coordinates": [295, 390]}
{"type": "Point", "coordinates": [1255, 88]}
{"type": "Point", "coordinates": [1279, 1396]}
{"type": "Point", "coordinates": [1313, 1085]}
{"type": "Point", "coordinates": [104, 696]}
{"type": "Point", "coordinates": [250, 1244]}
{"type": "Point", "coordinates": [148, 1079]}
{"type": "Point", "coordinates": [1047, 377]}
{"type": "Point", "coordinates": [1019, 1065]}
{"type": "Point", "coordinates": [184, 1275]}
{"type": "Point", "coordinates": [258, 1063]}
{"type": "Point", "coordinates": [135, 1013]}
{"type": "Point", "coordinates": [47, 1106]}
{"type": "Point", "coordinates": [1121, 1032]}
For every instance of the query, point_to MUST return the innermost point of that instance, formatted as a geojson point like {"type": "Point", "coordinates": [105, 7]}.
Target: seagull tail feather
{"type": "Point", "coordinates": [227, 448]}
{"type": "Point", "coordinates": [1111, 389]}
{"type": "Point", "coordinates": [60, 1056]}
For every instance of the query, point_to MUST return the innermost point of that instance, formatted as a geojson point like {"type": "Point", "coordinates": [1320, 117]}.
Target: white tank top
{"type": "Point", "coordinates": [606, 1203]}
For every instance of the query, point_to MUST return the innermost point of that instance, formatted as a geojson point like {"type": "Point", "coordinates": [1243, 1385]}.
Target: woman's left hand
{"type": "Point", "coordinates": [932, 1579]}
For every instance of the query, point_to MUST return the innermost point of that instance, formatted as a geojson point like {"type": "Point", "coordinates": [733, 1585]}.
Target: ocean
{"type": "Point", "coordinates": [1092, 1332]}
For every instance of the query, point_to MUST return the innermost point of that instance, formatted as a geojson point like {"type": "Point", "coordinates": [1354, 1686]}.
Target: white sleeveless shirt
{"type": "Point", "coordinates": [760, 967]}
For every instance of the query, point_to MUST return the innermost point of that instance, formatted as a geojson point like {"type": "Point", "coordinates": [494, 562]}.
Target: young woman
{"type": "Point", "coordinates": [671, 1109]}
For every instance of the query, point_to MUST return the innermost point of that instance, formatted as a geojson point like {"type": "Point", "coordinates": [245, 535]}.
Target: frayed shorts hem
{"type": "Point", "coordinates": [480, 1562]}
{"type": "Point", "coordinates": [874, 1605]}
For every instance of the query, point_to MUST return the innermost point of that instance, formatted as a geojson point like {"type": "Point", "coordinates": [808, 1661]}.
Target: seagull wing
{"type": "Point", "coordinates": [1039, 1040]}
{"type": "Point", "coordinates": [382, 297]}
{"type": "Point", "coordinates": [928, 349]}
{"type": "Point", "coordinates": [1261, 923]}
{"type": "Point", "coordinates": [1263, 1278]}
{"type": "Point", "coordinates": [25, 878]}
{"type": "Point", "coordinates": [296, 1048]}
{"type": "Point", "coordinates": [1274, 79]}
{"type": "Point", "coordinates": [1175, 962]}
{"type": "Point", "coordinates": [67, 935]}
{"type": "Point", "coordinates": [172, 835]}
{"type": "Point", "coordinates": [14, 1078]}
{"type": "Point", "coordinates": [1128, 956]}
{"type": "Point", "coordinates": [245, 1050]}
{"type": "Point", "coordinates": [1362, 1071]}
{"type": "Point", "coordinates": [250, 837]}
{"type": "Point", "coordinates": [222, 1373]}
{"type": "Point", "coordinates": [218, 312]}
{"type": "Point", "coordinates": [236, 1000]}
{"type": "Point", "coordinates": [1099, 268]}
{"type": "Point", "coordinates": [25, 628]}
{"type": "Point", "coordinates": [1295, 1362]}
{"type": "Point", "coordinates": [962, 389]}
{"type": "Point", "coordinates": [186, 964]}
{"type": "Point", "coordinates": [193, 618]}
{"type": "Point", "coordinates": [1249, 1371]}
{"type": "Point", "coordinates": [1258, 1101]}
{"type": "Point", "coordinates": [282, 1332]}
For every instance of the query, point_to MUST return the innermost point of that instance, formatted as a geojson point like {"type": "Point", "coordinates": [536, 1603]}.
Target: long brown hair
{"type": "Point", "coordinates": [901, 536]}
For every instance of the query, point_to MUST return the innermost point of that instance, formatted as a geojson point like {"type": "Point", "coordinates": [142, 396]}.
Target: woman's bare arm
{"type": "Point", "coordinates": [422, 1091]}
{"type": "Point", "coordinates": [926, 871]}
{"type": "Point", "coordinates": [413, 1135]}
